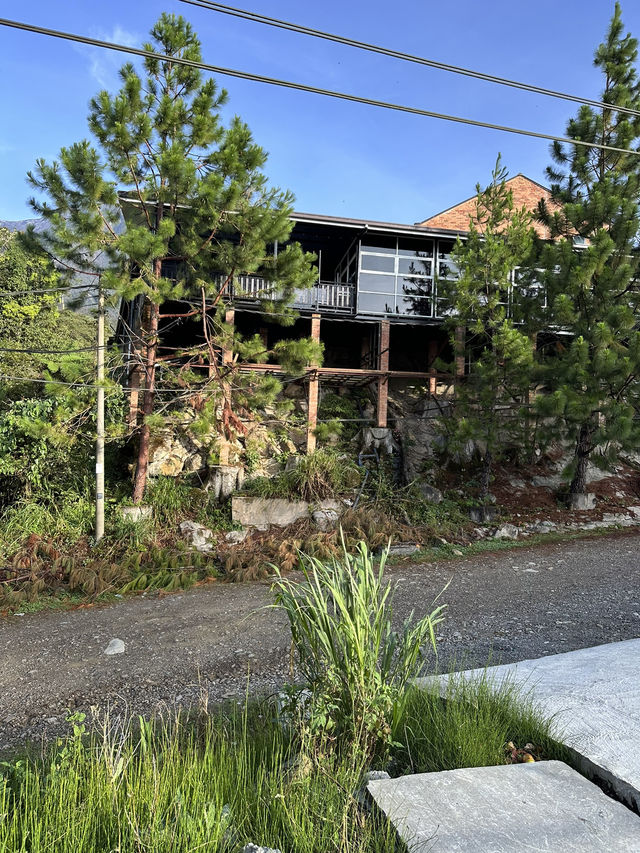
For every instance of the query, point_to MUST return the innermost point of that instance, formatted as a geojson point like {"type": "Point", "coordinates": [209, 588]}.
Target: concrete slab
{"type": "Point", "coordinates": [524, 807]}
{"type": "Point", "coordinates": [593, 696]}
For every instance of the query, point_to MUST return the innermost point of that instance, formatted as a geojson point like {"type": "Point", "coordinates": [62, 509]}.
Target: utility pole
{"type": "Point", "coordinates": [100, 417]}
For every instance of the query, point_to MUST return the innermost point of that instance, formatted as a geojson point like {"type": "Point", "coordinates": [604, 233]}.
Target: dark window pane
{"type": "Point", "coordinates": [447, 270]}
{"type": "Point", "coordinates": [375, 303]}
{"type": "Point", "coordinates": [415, 246]}
{"type": "Point", "coordinates": [379, 241]}
{"type": "Point", "coordinates": [379, 283]}
{"type": "Point", "coordinates": [414, 266]}
{"type": "Point", "coordinates": [379, 263]}
{"type": "Point", "coordinates": [445, 247]}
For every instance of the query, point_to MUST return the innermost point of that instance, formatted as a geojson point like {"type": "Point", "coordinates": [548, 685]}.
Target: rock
{"type": "Point", "coordinates": [544, 527]}
{"type": "Point", "coordinates": [136, 513]}
{"type": "Point", "coordinates": [115, 647]}
{"type": "Point", "coordinates": [583, 501]}
{"type": "Point", "coordinates": [263, 512]}
{"type": "Point", "coordinates": [325, 519]}
{"type": "Point", "coordinates": [506, 531]}
{"type": "Point", "coordinates": [374, 775]}
{"type": "Point", "coordinates": [197, 535]}
{"type": "Point", "coordinates": [430, 493]}
{"type": "Point", "coordinates": [402, 550]}
{"type": "Point", "coordinates": [378, 438]}
{"type": "Point", "coordinates": [235, 537]}
{"type": "Point", "coordinates": [482, 514]}
{"type": "Point", "coordinates": [175, 452]}
{"type": "Point", "coordinates": [254, 848]}
{"type": "Point", "coordinates": [223, 480]}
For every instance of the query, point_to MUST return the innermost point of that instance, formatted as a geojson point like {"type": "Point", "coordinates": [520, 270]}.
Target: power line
{"type": "Point", "coordinates": [397, 54]}
{"type": "Point", "coordinates": [68, 289]}
{"type": "Point", "coordinates": [300, 87]}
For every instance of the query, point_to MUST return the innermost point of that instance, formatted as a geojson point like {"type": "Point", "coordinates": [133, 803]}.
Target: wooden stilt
{"type": "Point", "coordinates": [383, 381]}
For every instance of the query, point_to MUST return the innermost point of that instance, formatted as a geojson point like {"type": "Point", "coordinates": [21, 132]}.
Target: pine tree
{"type": "Point", "coordinates": [488, 402]}
{"type": "Point", "coordinates": [169, 182]}
{"type": "Point", "coordinates": [593, 372]}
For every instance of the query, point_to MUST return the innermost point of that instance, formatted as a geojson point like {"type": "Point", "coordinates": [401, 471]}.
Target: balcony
{"type": "Point", "coordinates": [325, 295]}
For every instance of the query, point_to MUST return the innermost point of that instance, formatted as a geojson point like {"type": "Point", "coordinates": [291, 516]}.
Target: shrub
{"type": "Point", "coordinates": [317, 476]}
{"type": "Point", "coordinates": [354, 664]}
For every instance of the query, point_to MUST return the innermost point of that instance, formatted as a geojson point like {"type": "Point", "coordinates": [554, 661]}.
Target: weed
{"type": "Point", "coordinates": [354, 665]}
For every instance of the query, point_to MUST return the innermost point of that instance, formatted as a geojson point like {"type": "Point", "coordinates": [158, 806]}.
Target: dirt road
{"type": "Point", "coordinates": [510, 605]}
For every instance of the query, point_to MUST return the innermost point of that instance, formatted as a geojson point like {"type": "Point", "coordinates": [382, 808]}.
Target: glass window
{"type": "Point", "coordinates": [446, 270]}
{"type": "Point", "coordinates": [414, 266]}
{"type": "Point", "coordinates": [379, 283]}
{"type": "Point", "coordinates": [375, 303]}
{"type": "Point", "coordinates": [379, 263]}
{"type": "Point", "coordinates": [378, 242]}
{"type": "Point", "coordinates": [444, 248]}
{"type": "Point", "coordinates": [415, 247]}
{"type": "Point", "coordinates": [416, 306]}
{"type": "Point", "coordinates": [414, 286]}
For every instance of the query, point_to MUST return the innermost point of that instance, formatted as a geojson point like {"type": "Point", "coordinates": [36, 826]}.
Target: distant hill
{"type": "Point", "coordinates": [23, 224]}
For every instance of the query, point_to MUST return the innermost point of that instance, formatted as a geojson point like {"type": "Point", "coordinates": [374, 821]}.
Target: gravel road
{"type": "Point", "coordinates": [506, 606]}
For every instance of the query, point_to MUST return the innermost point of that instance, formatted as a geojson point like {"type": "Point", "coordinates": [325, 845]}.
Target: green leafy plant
{"type": "Point", "coordinates": [354, 665]}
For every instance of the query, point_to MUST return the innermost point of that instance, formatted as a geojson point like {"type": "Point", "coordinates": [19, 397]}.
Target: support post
{"type": "Point", "coordinates": [312, 400]}
{"type": "Point", "coordinates": [433, 354]}
{"type": "Point", "coordinates": [229, 319]}
{"type": "Point", "coordinates": [134, 395]}
{"type": "Point", "coordinates": [459, 350]}
{"type": "Point", "coordinates": [100, 417]}
{"type": "Point", "coordinates": [383, 381]}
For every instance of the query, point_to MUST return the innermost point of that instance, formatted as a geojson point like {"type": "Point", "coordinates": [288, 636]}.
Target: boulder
{"type": "Point", "coordinates": [506, 531]}
{"type": "Point", "coordinates": [235, 537]}
{"type": "Point", "coordinates": [223, 480]}
{"type": "Point", "coordinates": [136, 513]}
{"type": "Point", "coordinates": [403, 550]}
{"type": "Point", "coordinates": [264, 512]}
{"type": "Point", "coordinates": [325, 519]}
{"type": "Point", "coordinates": [430, 493]}
{"type": "Point", "coordinates": [378, 438]}
{"type": "Point", "coordinates": [582, 501]}
{"type": "Point", "coordinates": [198, 536]}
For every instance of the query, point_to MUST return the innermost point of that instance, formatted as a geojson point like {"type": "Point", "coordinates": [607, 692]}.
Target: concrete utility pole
{"type": "Point", "coordinates": [100, 417]}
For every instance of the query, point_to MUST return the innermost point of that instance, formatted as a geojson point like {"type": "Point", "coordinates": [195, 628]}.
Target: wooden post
{"type": "Point", "coordinates": [229, 319]}
{"type": "Point", "coordinates": [433, 354]}
{"type": "Point", "coordinates": [383, 381]}
{"type": "Point", "coordinates": [312, 413]}
{"type": "Point", "coordinates": [134, 397]}
{"type": "Point", "coordinates": [459, 350]}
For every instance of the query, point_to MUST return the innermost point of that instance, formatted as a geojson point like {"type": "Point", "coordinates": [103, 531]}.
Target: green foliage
{"type": "Point", "coordinates": [489, 404]}
{"type": "Point", "coordinates": [355, 665]}
{"type": "Point", "coordinates": [318, 475]}
{"type": "Point", "coordinates": [218, 783]}
{"type": "Point", "coordinates": [469, 724]}
{"type": "Point", "coordinates": [169, 180]}
{"type": "Point", "coordinates": [593, 374]}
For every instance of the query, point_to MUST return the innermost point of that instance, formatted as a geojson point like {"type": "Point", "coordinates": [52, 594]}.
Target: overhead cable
{"type": "Point", "coordinates": [398, 54]}
{"type": "Point", "coordinates": [300, 87]}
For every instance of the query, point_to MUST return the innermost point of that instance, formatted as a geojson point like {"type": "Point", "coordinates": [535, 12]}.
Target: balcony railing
{"type": "Point", "coordinates": [325, 295]}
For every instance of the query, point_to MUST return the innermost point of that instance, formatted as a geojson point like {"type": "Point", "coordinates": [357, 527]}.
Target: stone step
{"type": "Point", "coordinates": [593, 698]}
{"type": "Point", "coordinates": [546, 806]}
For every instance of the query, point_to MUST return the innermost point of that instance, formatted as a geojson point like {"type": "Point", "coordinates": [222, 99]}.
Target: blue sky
{"type": "Point", "coordinates": [338, 158]}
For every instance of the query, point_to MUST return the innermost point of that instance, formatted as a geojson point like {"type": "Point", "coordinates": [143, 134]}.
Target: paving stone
{"type": "Point", "coordinates": [593, 698]}
{"type": "Point", "coordinates": [515, 807]}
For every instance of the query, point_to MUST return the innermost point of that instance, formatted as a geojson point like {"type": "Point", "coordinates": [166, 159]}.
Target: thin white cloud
{"type": "Point", "coordinates": [104, 64]}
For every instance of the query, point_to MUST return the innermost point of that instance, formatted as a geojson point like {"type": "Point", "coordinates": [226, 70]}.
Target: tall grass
{"type": "Point", "coordinates": [468, 723]}
{"type": "Point", "coordinates": [215, 786]}
{"type": "Point", "coordinates": [354, 664]}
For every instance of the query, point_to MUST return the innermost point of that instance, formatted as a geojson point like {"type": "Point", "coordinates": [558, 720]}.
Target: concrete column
{"type": "Point", "coordinates": [383, 381]}
{"type": "Point", "coordinates": [313, 394]}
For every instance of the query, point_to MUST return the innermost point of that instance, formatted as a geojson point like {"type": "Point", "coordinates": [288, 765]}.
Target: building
{"type": "Point", "coordinates": [376, 305]}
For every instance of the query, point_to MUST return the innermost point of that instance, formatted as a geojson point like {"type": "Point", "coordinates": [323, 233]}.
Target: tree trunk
{"type": "Point", "coordinates": [579, 483]}
{"type": "Point", "coordinates": [151, 337]}
{"type": "Point", "coordinates": [485, 474]}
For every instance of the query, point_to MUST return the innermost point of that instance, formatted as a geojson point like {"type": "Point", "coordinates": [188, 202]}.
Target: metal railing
{"type": "Point", "coordinates": [328, 296]}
